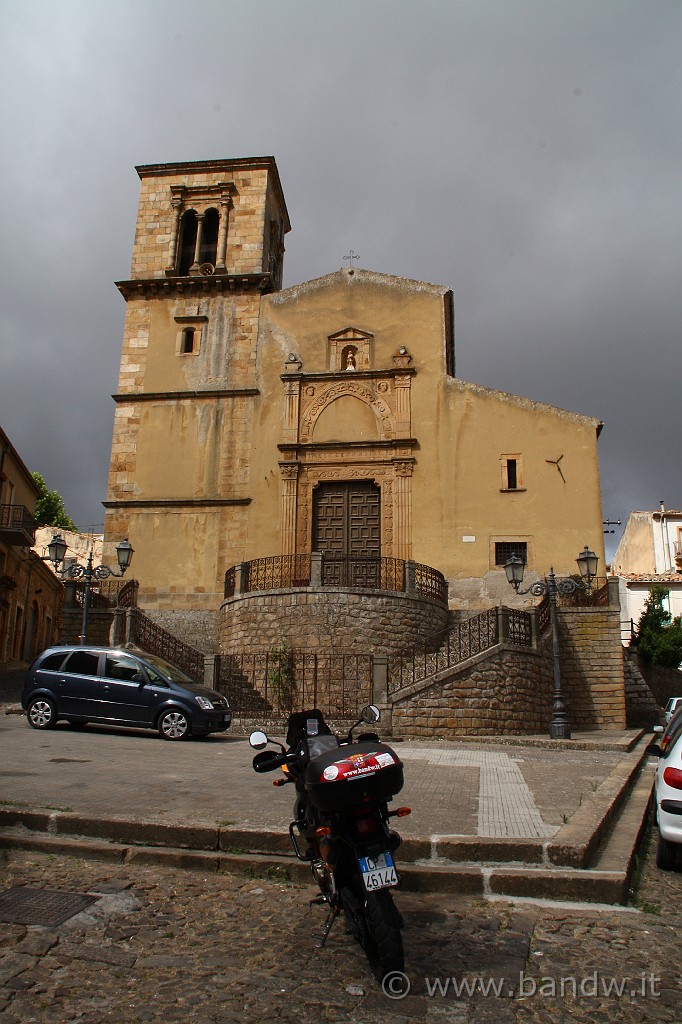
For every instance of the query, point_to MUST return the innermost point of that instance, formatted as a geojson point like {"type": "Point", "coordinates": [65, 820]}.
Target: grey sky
{"type": "Point", "coordinates": [526, 153]}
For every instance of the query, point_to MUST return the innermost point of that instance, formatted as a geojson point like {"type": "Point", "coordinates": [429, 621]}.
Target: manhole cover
{"type": "Point", "coordinates": [40, 906]}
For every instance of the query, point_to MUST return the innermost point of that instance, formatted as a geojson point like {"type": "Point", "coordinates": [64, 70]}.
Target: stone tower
{"type": "Point", "coordinates": [209, 243]}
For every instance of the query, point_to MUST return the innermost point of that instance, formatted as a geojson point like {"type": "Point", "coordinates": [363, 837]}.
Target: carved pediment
{"type": "Point", "coordinates": [350, 349]}
{"type": "Point", "coordinates": [351, 334]}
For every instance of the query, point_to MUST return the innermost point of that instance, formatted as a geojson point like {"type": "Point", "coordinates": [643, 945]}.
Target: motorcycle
{"type": "Point", "coordinates": [341, 825]}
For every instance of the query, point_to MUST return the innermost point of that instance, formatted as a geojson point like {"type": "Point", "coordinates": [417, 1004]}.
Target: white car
{"type": "Point", "coordinates": [673, 704]}
{"type": "Point", "coordinates": [667, 795]}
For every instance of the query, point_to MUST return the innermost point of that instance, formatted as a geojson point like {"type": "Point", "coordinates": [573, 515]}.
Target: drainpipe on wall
{"type": "Point", "coordinates": [665, 541]}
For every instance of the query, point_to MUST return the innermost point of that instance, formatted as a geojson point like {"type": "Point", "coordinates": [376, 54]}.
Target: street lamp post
{"type": "Point", "coordinates": [56, 552]}
{"type": "Point", "coordinates": [552, 586]}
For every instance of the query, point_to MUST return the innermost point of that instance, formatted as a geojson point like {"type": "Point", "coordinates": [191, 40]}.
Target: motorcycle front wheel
{"type": "Point", "coordinates": [375, 923]}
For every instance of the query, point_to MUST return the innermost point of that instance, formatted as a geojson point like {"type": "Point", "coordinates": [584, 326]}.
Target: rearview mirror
{"type": "Point", "coordinates": [370, 714]}
{"type": "Point", "coordinates": [258, 740]}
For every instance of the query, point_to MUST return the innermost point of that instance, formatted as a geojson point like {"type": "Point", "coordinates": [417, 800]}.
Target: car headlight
{"type": "Point", "coordinates": [204, 703]}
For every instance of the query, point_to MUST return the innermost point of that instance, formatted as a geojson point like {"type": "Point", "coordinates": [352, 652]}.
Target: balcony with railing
{"type": "Point", "coordinates": [17, 526]}
{"type": "Point", "coordinates": [323, 569]}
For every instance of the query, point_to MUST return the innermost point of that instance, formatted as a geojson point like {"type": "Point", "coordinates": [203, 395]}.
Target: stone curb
{"type": "Point", "coordinates": [576, 844]}
{"type": "Point", "coordinates": [606, 882]}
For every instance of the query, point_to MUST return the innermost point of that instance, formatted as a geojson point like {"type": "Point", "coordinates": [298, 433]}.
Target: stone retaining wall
{"type": "Point", "coordinates": [592, 670]}
{"type": "Point", "coordinates": [194, 627]}
{"type": "Point", "coordinates": [663, 682]}
{"type": "Point", "coordinates": [504, 691]}
{"type": "Point", "coordinates": [98, 628]}
{"type": "Point", "coordinates": [509, 690]}
{"type": "Point", "coordinates": [327, 618]}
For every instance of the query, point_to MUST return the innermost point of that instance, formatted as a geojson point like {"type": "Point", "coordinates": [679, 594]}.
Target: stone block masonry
{"type": "Point", "coordinates": [509, 690]}
{"type": "Point", "coordinates": [592, 667]}
{"type": "Point", "coordinates": [506, 690]}
{"type": "Point", "coordinates": [503, 691]}
{"type": "Point", "coordinates": [326, 619]}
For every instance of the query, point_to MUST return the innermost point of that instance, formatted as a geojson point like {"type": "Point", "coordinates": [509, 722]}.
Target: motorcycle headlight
{"type": "Point", "coordinates": [204, 703]}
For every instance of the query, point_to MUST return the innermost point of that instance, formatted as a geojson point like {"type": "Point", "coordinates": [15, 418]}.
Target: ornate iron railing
{"type": "Point", "coordinates": [230, 581]}
{"type": "Point", "coordinates": [16, 517]}
{"type": "Point", "coordinates": [153, 638]}
{"type": "Point", "coordinates": [111, 593]}
{"type": "Point", "coordinates": [363, 571]}
{"type": "Point", "coordinates": [356, 571]}
{"type": "Point", "coordinates": [519, 627]}
{"type": "Point", "coordinates": [127, 594]}
{"type": "Point", "coordinates": [597, 596]}
{"type": "Point", "coordinates": [457, 643]}
{"type": "Point", "coordinates": [430, 583]}
{"type": "Point", "coordinates": [277, 572]}
{"type": "Point", "coordinates": [280, 681]}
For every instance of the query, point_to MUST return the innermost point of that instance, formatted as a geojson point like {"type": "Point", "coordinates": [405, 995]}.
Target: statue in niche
{"type": "Point", "coordinates": [350, 360]}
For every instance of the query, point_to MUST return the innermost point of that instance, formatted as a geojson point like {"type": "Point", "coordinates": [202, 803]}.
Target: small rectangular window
{"type": "Point", "coordinates": [505, 549]}
{"type": "Point", "coordinates": [188, 339]}
{"type": "Point", "coordinates": [510, 466]}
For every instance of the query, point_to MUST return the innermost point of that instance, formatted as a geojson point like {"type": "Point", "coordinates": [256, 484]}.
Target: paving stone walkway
{"type": "Point", "coordinates": [506, 807]}
{"type": "Point", "coordinates": [453, 788]}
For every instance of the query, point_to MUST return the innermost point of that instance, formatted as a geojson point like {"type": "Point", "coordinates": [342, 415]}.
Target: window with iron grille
{"type": "Point", "coordinates": [506, 548]}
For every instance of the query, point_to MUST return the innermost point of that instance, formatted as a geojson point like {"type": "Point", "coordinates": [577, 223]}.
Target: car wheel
{"type": "Point", "coordinates": [174, 725]}
{"type": "Point", "coordinates": [41, 713]}
{"type": "Point", "coordinates": [666, 854]}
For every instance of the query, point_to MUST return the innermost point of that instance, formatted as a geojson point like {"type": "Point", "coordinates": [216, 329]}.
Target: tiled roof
{"type": "Point", "coordinates": [652, 577]}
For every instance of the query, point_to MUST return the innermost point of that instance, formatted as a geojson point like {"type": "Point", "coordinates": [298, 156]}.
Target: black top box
{"type": "Point", "coordinates": [343, 777]}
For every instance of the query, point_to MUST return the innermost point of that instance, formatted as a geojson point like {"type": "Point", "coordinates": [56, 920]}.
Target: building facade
{"type": "Point", "coordinates": [649, 554]}
{"type": "Point", "coordinates": [30, 594]}
{"type": "Point", "coordinates": [255, 421]}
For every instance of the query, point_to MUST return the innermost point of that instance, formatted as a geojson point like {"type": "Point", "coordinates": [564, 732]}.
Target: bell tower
{"type": "Point", "coordinates": [209, 243]}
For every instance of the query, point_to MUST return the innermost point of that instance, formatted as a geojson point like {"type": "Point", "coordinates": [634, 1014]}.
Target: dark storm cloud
{"type": "Point", "coordinates": [525, 153]}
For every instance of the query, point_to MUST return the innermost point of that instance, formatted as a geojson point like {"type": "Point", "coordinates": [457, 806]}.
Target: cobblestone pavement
{"type": "Point", "coordinates": [171, 945]}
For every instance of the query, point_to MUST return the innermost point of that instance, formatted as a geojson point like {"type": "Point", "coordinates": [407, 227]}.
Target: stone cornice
{"type": "Point", "coordinates": [188, 396]}
{"type": "Point", "coordinates": [213, 284]}
{"type": "Point", "coordinates": [164, 503]}
{"type": "Point", "coordinates": [347, 375]}
{"type": "Point", "coordinates": [321, 446]}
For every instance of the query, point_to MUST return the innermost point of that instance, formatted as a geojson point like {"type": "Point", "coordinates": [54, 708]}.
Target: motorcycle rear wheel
{"type": "Point", "coordinates": [375, 923]}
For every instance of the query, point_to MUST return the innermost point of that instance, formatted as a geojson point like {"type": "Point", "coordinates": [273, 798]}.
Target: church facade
{"type": "Point", "coordinates": [255, 421]}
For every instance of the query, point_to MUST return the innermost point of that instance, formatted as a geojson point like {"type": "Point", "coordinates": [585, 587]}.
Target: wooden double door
{"type": "Point", "coordinates": [347, 530]}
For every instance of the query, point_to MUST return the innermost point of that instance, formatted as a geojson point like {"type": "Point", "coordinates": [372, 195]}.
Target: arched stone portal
{"type": "Point", "coordinates": [343, 432]}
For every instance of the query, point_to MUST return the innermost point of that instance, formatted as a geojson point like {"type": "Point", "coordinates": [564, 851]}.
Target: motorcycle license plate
{"type": "Point", "coordinates": [378, 872]}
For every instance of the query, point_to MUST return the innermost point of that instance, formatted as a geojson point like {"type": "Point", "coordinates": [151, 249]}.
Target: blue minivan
{"type": "Point", "coordinates": [117, 686]}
